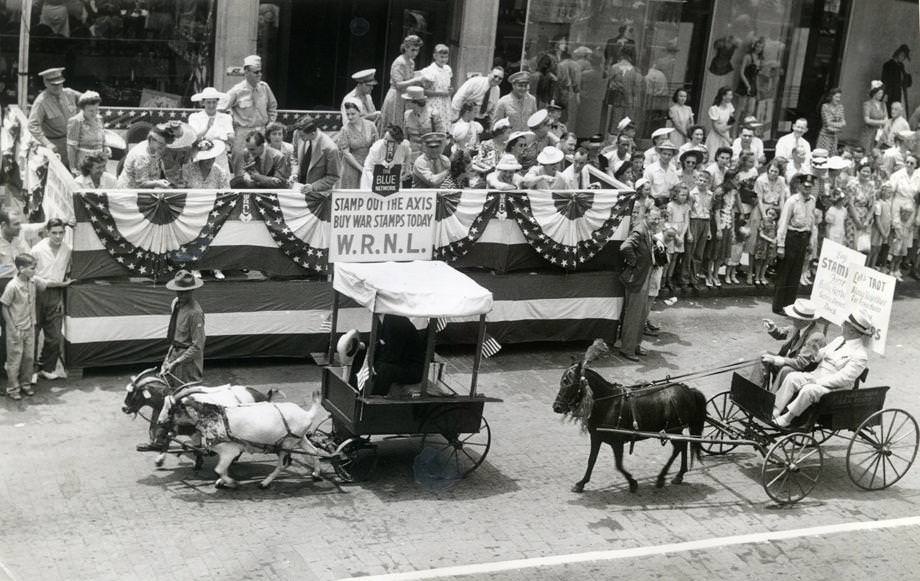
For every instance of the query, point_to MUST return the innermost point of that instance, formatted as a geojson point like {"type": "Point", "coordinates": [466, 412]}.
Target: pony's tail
{"type": "Point", "coordinates": [697, 422]}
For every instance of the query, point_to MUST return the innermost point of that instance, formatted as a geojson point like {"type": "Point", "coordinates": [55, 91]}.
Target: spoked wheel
{"type": "Point", "coordinates": [791, 468]}
{"type": "Point", "coordinates": [448, 455]}
{"type": "Point", "coordinates": [720, 408]}
{"type": "Point", "coordinates": [882, 449]}
{"type": "Point", "coordinates": [357, 460]}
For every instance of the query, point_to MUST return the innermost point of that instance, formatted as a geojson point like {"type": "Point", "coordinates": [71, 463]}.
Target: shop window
{"type": "Point", "coordinates": [640, 55]}
{"type": "Point", "coordinates": [135, 53]}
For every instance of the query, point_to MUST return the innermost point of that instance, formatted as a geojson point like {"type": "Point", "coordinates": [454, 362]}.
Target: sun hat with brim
{"type": "Point", "coordinates": [838, 163]}
{"type": "Point", "coordinates": [114, 140]}
{"type": "Point", "coordinates": [184, 281]}
{"type": "Point", "coordinates": [801, 309]}
{"type": "Point", "coordinates": [692, 153]}
{"type": "Point", "coordinates": [183, 135]}
{"type": "Point", "coordinates": [861, 323]}
{"type": "Point", "coordinates": [365, 76]}
{"type": "Point", "coordinates": [54, 76]}
{"type": "Point", "coordinates": [502, 123]}
{"type": "Point", "coordinates": [550, 155]}
{"type": "Point", "coordinates": [208, 93]}
{"type": "Point", "coordinates": [414, 94]}
{"type": "Point", "coordinates": [527, 135]}
{"type": "Point", "coordinates": [208, 149]}
{"type": "Point", "coordinates": [537, 118]}
{"type": "Point", "coordinates": [640, 182]}
{"type": "Point", "coordinates": [508, 163]}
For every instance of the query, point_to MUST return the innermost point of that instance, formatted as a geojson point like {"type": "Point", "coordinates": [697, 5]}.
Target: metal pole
{"type": "Point", "coordinates": [429, 353]}
{"type": "Point", "coordinates": [22, 87]}
{"type": "Point", "coordinates": [335, 320]}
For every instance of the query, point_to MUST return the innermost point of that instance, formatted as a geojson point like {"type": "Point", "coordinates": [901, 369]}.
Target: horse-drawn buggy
{"type": "Point", "coordinates": [455, 437]}
{"type": "Point", "coordinates": [882, 442]}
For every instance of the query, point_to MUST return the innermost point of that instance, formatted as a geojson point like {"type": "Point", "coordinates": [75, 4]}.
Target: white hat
{"type": "Point", "coordinates": [624, 123]}
{"type": "Point", "coordinates": [208, 93]}
{"type": "Point", "coordinates": [906, 134]}
{"type": "Point", "coordinates": [537, 118]}
{"type": "Point", "coordinates": [666, 145]}
{"type": "Point", "coordinates": [208, 149]}
{"type": "Point", "coordinates": [550, 155]}
{"type": "Point", "coordinates": [661, 132]}
{"type": "Point", "coordinates": [861, 323]}
{"type": "Point", "coordinates": [819, 158]}
{"type": "Point", "coordinates": [252, 60]}
{"type": "Point", "coordinates": [508, 163]}
{"type": "Point", "coordinates": [114, 140]}
{"type": "Point", "coordinates": [639, 183]}
{"type": "Point", "coordinates": [502, 123]}
{"type": "Point", "coordinates": [529, 135]}
{"type": "Point", "coordinates": [348, 346]}
{"type": "Point", "coordinates": [801, 309]}
{"type": "Point", "coordinates": [365, 76]}
{"type": "Point", "coordinates": [837, 162]}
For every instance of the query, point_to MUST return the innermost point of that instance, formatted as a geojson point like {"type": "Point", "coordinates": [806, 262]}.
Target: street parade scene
{"type": "Point", "coordinates": [442, 289]}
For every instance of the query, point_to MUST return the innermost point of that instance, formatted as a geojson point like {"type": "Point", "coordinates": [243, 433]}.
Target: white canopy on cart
{"type": "Point", "coordinates": [412, 289]}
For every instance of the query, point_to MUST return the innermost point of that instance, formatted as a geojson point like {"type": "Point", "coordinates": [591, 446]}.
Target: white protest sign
{"type": "Point", "coordinates": [872, 293]}
{"type": "Point", "coordinates": [59, 186]}
{"type": "Point", "coordinates": [834, 280]}
{"type": "Point", "coordinates": [367, 227]}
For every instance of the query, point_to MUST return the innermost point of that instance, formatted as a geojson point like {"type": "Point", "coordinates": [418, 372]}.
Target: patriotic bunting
{"type": "Point", "coordinates": [460, 219]}
{"type": "Point", "coordinates": [299, 225]}
{"type": "Point", "coordinates": [152, 234]}
{"type": "Point", "coordinates": [569, 228]}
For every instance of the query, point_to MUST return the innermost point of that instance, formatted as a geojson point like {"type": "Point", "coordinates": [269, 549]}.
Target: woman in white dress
{"type": "Point", "coordinates": [721, 118]}
{"type": "Point", "coordinates": [437, 82]}
{"type": "Point", "coordinates": [211, 124]}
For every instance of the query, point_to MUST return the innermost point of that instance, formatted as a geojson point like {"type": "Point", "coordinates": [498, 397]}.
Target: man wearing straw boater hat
{"type": "Point", "coordinates": [51, 110]}
{"type": "Point", "coordinates": [184, 362]}
{"type": "Point", "coordinates": [803, 339]}
{"type": "Point", "coordinates": [840, 363]}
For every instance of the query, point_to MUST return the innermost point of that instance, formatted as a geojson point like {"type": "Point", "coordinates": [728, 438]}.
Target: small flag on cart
{"type": "Point", "coordinates": [490, 347]}
{"type": "Point", "coordinates": [440, 325]}
{"type": "Point", "coordinates": [326, 326]}
{"type": "Point", "coordinates": [363, 375]}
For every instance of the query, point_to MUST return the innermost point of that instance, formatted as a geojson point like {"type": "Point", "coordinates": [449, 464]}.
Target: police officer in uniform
{"type": "Point", "coordinates": [51, 110]}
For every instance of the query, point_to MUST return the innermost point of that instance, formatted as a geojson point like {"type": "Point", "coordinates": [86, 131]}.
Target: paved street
{"type": "Point", "coordinates": [77, 502]}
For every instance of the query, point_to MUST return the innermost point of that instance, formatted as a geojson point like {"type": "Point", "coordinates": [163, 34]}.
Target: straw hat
{"type": "Point", "coordinates": [414, 94]}
{"type": "Point", "coordinates": [550, 155]}
{"type": "Point", "coordinates": [861, 323]}
{"type": "Point", "coordinates": [801, 309]}
{"type": "Point", "coordinates": [208, 93]}
{"type": "Point", "coordinates": [208, 149]}
{"type": "Point", "coordinates": [508, 163]}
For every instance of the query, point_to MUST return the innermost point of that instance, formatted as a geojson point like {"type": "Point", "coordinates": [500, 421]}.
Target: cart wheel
{"type": "Point", "coordinates": [357, 462]}
{"type": "Point", "coordinates": [722, 409]}
{"type": "Point", "coordinates": [791, 468]}
{"type": "Point", "coordinates": [882, 449]}
{"type": "Point", "coordinates": [447, 454]}
{"type": "Point", "coordinates": [330, 434]}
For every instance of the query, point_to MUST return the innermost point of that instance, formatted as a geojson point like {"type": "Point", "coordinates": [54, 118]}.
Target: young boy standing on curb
{"type": "Point", "coordinates": [18, 302]}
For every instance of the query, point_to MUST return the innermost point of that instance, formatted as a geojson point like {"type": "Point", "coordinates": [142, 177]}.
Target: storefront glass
{"type": "Point", "coordinates": [641, 52]}
{"type": "Point", "coordinates": [135, 53]}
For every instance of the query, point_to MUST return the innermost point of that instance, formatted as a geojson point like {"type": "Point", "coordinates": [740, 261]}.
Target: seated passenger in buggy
{"type": "Point", "coordinates": [399, 357]}
{"type": "Point", "coordinates": [804, 338]}
{"type": "Point", "coordinates": [840, 363]}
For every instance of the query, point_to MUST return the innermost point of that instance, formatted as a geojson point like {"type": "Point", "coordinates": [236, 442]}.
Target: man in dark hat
{"type": "Point", "coordinates": [51, 110]}
{"type": "Point", "coordinates": [793, 240]}
{"type": "Point", "coordinates": [184, 362]}
{"type": "Point", "coordinates": [896, 78]}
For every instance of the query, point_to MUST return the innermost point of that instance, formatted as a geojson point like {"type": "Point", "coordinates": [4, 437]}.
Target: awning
{"type": "Point", "coordinates": [412, 289]}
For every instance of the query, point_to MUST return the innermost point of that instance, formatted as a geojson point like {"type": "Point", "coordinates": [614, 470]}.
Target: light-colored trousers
{"type": "Point", "coordinates": [798, 391]}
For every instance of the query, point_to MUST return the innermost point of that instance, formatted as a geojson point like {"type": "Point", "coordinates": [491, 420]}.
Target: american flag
{"type": "Point", "coordinates": [490, 347]}
{"type": "Point", "coordinates": [154, 263]}
{"type": "Point", "coordinates": [459, 246]}
{"type": "Point", "coordinates": [363, 375]}
{"type": "Point", "coordinates": [546, 217]}
{"type": "Point", "coordinates": [310, 254]}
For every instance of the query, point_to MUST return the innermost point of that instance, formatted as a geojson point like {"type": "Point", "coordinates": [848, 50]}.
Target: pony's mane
{"type": "Point", "coordinates": [581, 413]}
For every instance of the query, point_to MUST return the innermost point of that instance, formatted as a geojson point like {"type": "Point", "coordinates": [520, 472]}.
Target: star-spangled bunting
{"type": "Point", "coordinates": [569, 228]}
{"type": "Point", "coordinates": [460, 219]}
{"type": "Point", "coordinates": [312, 253]}
{"type": "Point", "coordinates": [150, 262]}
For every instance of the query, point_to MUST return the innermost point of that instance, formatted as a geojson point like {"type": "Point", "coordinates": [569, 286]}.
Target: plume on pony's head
{"type": "Point", "coordinates": [596, 350]}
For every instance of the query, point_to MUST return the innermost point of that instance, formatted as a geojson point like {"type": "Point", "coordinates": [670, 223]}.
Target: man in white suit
{"type": "Point", "coordinates": [840, 363]}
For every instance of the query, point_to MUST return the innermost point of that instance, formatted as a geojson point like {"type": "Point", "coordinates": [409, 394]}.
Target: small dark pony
{"type": "Point", "coordinates": [587, 397]}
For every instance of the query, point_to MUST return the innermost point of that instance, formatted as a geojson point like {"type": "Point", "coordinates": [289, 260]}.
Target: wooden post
{"type": "Point", "coordinates": [375, 326]}
{"type": "Point", "coordinates": [477, 357]}
{"type": "Point", "coordinates": [429, 352]}
{"type": "Point", "coordinates": [335, 320]}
